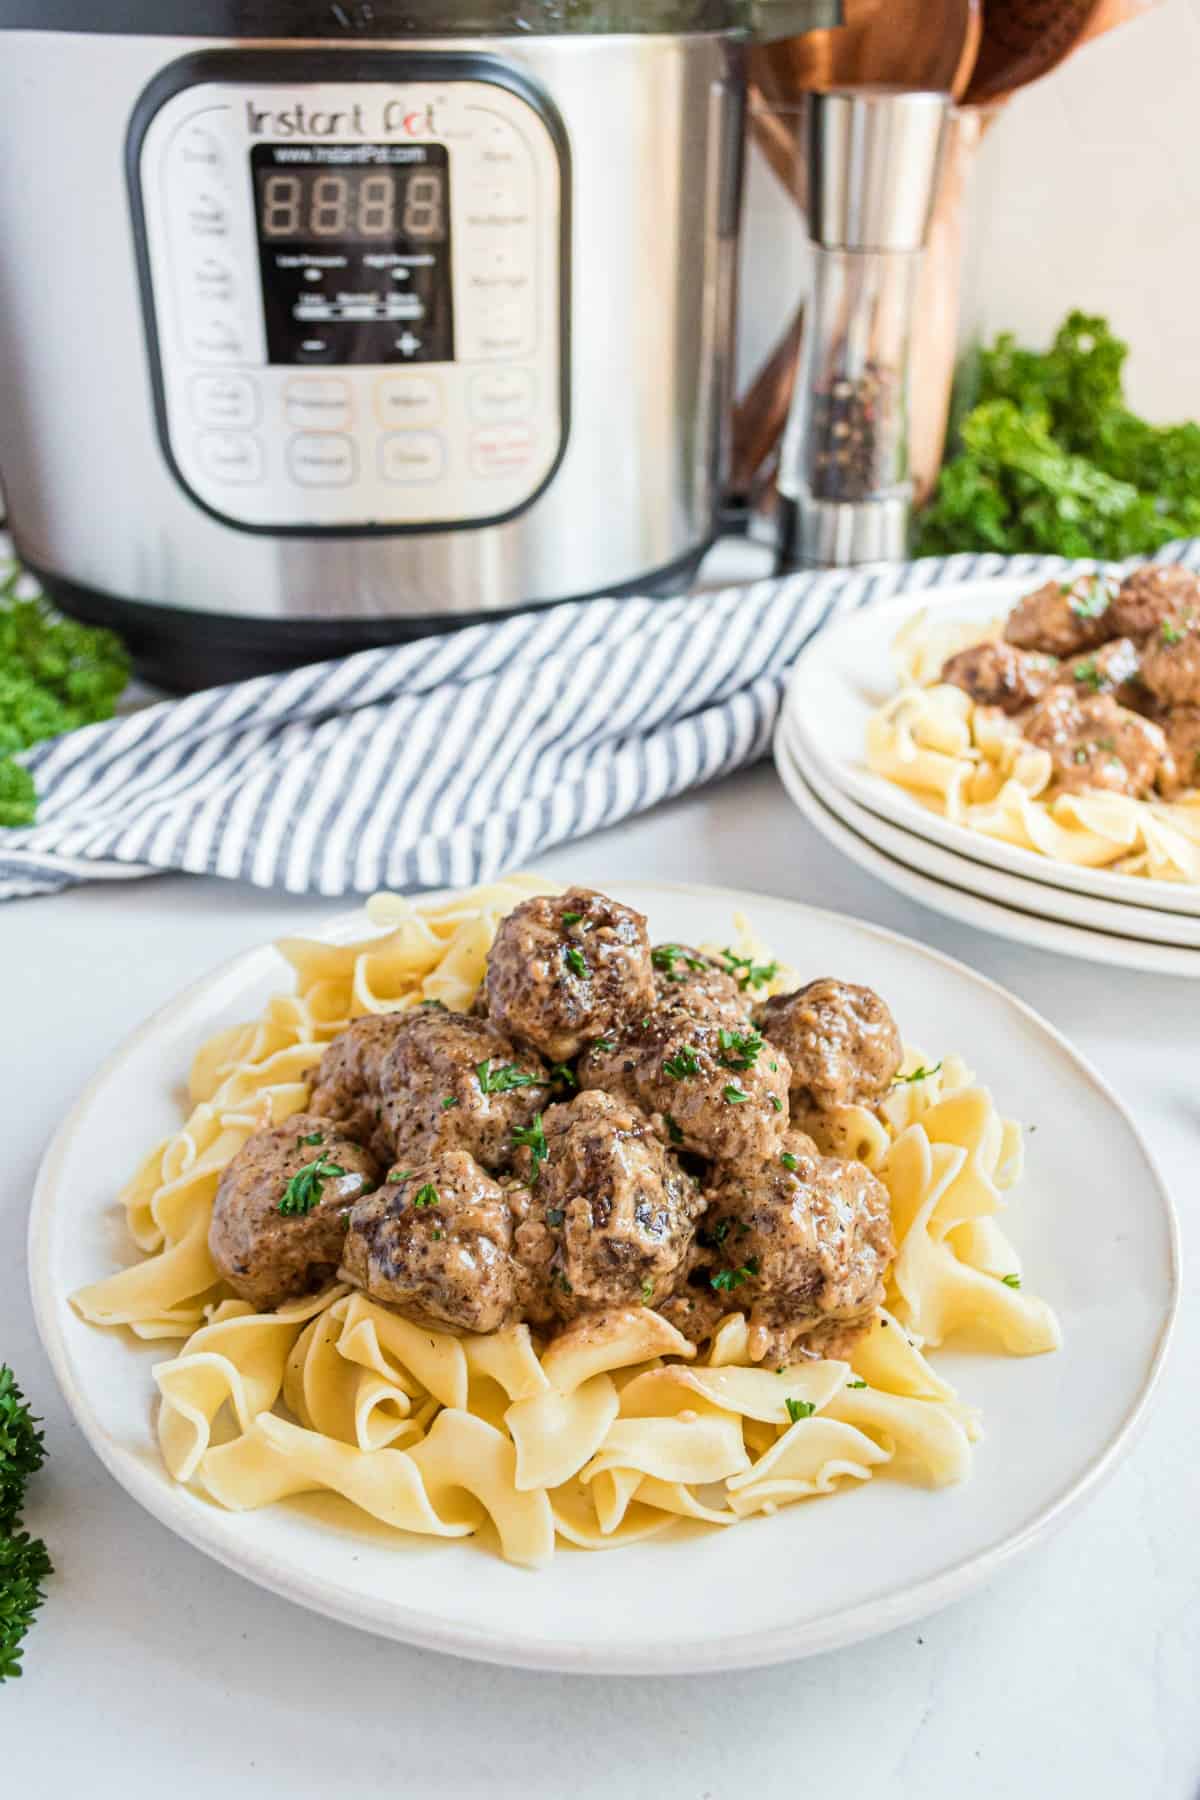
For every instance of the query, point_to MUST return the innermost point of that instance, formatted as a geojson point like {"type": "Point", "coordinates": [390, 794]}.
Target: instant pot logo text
{"type": "Point", "coordinates": [397, 118]}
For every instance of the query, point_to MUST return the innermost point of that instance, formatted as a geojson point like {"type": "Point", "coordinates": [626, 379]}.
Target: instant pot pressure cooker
{"type": "Point", "coordinates": [328, 324]}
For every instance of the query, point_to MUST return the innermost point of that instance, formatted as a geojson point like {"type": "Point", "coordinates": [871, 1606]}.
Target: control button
{"type": "Point", "coordinates": [206, 215]}
{"type": "Point", "coordinates": [212, 280]}
{"type": "Point", "coordinates": [408, 344]}
{"type": "Point", "coordinates": [501, 394]}
{"type": "Point", "coordinates": [498, 153]}
{"type": "Point", "coordinates": [317, 403]}
{"type": "Point", "coordinates": [215, 339]}
{"type": "Point", "coordinates": [199, 150]}
{"type": "Point", "coordinates": [320, 459]}
{"type": "Point", "coordinates": [501, 449]}
{"type": "Point", "coordinates": [225, 400]}
{"type": "Point", "coordinates": [232, 457]}
{"type": "Point", "coordinates": [495, 256]}
{"type": "Point", "coordinates": [501, 331]}
{"type": "Point", "coordinates": [495, 207]}
{"type": "Point", "coordinates": [408, 400]}
{"type": "Point", "coordinates": [412, 456]}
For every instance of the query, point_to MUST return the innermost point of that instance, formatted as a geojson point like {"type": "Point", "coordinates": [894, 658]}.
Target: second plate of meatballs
{"type": "Point", "coordinates": [1080, 689]}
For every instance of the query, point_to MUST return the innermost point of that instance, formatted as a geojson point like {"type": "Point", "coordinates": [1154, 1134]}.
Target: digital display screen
{"type": "Point", "coordinates": [354, 251]}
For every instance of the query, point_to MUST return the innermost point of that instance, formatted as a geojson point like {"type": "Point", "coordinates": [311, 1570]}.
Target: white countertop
{"type": "Point", "coordinates": [152, 1670]}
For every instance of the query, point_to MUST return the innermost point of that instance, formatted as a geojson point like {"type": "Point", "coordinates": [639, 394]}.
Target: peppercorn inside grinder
{"type": "Point", "coordinates": [871, 163]}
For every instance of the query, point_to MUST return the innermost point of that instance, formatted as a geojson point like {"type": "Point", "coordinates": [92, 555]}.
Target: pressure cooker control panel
{"type": "Point", "coordinates": [355, 293]}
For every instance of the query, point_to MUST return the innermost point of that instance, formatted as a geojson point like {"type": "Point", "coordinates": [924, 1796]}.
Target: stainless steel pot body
{"type": "Point", "coordinates": [650, 173]}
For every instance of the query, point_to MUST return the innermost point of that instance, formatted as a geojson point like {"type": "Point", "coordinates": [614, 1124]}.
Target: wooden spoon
{"type": "Point", "coordinates": [894, 43]}
{"type": "Point", "coordinates": [1023, 40]}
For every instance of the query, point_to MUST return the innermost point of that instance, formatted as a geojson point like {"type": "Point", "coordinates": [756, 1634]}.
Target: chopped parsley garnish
{"type": "Point", "coordinates": [532, 1138]}
{"type": "Point", "coordinates": [1088, 675]}
{"type": "Point", "coordinates": [400, 1174]}
{"type": "Point", "coordinates": [799, 1409]}
{"type": "Point", "coordinates": [1092, 603]}
{"type": "Point", "coordinates": [673, 1131]}
{"type": "Point", "coordinates": [921, 1073]}
{"type": "Point", "coordinates": [788, 1160]}
{"type": "Point", "coordinates": [734, 1095]}
{"type": "Point", "coordinates": [1171, 633]}
{"type": "Point", "coordinates": [571, 918]}
{"type": "Point", "coordinates": [604, 1045]}
{"type": "Point", "coordinates": [437, 1005]}
{"type": "Point", "coordinates": [314, 1137]}
{"type": "Point", "coordinates": [435, 1234]}
{"type": "Point", "coordinates": [665, 956]}
{"type": "Point", "coordinates": [1081, 754]}
{"type": "Point", "coordinates": [725, 1280]}
{"type": "Point", "coordinates": [746, 972]}
{"type": "Point", "coordinates": [856, 1384]}
{"type": "Point", "coordinates": [1012, 1281]}
{"type": "Point", "coordinates": [576, 962]}
{"type": "Point", "coordinates": [427, 1195]}
{"type": "Point", "coordinates": [647, 1292]}
{"type": "Point", "coordinates": [555, 1216]}
{"type": "Point", "coordinates": [303, 1191]}
{"type": "Point", "coordinates": [564, 1075]}
{"type": "Point", "coordinates": [503, 1079]}
{"type": "Point", "coordinates": [448, 1102]}
{"type": "Point", "coordinates": [777, 1103]}
{"type": "Point", "coordinates": [739, 1049]}
{"type": "Point", "coordinates": [685, 1062]}
{"type": "Point", "coordinates": [561, 1281]}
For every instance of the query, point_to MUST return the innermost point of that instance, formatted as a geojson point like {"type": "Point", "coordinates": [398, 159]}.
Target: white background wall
{"type": "Point", "coordinates": [1086, 193]}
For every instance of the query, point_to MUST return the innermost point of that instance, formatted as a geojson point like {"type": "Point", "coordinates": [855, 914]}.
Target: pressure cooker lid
{"type": "Point", "coordinates": [373, 19]}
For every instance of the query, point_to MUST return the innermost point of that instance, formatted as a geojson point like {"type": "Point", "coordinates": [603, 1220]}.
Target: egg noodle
{"type": "Point", "coordinates": [615, 1428]}
{"type": "Point", "coordinates": [971, 764]}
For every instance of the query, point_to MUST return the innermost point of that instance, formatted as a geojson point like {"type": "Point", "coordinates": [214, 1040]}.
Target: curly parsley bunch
{"type": "Point", "coordinates": [55, 675]}
{"type": "Point", "coordinates": [1052, 459]}
{"type": "Point", "coordinates": [24, 1560]}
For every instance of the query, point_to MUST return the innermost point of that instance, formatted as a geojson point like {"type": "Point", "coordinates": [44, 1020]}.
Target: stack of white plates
{"type": "Point", "coordinates": [820, 750]}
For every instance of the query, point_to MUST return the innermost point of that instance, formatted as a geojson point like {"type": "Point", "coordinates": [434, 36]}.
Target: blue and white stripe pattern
{"type": "Point", "coordinates": [445, 761]}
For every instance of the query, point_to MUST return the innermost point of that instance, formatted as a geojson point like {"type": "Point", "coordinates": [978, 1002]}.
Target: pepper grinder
{"type": "Point", "coordinates": [845, 489]}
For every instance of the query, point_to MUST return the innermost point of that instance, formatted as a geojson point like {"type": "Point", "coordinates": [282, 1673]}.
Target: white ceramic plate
{"type": "Point", "coordinates": [1093, 1223]}
{"type": "Point", "coordinates": [846, 672]}
{"type": "Point", "coordinates": [1140, 922]}
{"type": "Point", "coordinates": [968, 907]}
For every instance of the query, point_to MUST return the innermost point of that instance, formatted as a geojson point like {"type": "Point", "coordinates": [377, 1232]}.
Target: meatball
{"type": "Point", "coordinates": [1147, 595]}
{"type": "Point", "coordinates": [840, 1039]}
{"type": "Point", "coordinates": [453, 1082]}
{"type": "Point", "coordinates": [282, 1206]}
{"type": "Point", "coordinates": [346, 1086]}
{"type": "Point", "coordinates": [1063, 618]}
{"type": "Point", "coordinates": [610, 1213]}
{"type": "Point", "coordinates": [1097, 744]}
{"type": "Point", "coordinates": [712, 1088]}
{"type": "Point", "coordinates": [1171, 659]}
{"type": "Point", "coordinates": [435, 1242]}
{"type": "Point", "coordinates": [1115, 668]}
{"type": "Point", "coordinates": [1001, 675]}
{"type": "Point", "coordinates": [688, 979]}
{"type": "Point", "coordinates": [1182, 728]}
{"type": "Point", "coordinates": [568, 969]}
{"type": "Point", "coordinates": [801, 1242]}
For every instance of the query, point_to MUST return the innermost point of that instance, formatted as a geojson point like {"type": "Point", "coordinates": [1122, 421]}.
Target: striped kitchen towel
{"type": "Point", "coordinates": [445, 761]}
